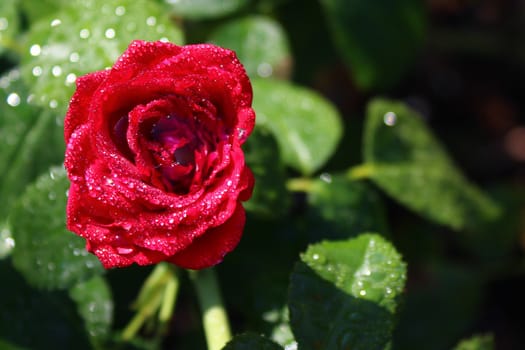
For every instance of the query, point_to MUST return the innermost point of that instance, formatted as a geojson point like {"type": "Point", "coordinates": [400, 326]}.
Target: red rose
{"type": "Point", "coordinates": [154, 156]}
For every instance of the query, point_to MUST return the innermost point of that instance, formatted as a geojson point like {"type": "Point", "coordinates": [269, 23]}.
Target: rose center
{"type": "Point", "coordinates": [173, 148]}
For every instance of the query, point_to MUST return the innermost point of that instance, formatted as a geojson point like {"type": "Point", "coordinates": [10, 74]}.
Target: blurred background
{"type": "Point", "coordinates": [459, 63]}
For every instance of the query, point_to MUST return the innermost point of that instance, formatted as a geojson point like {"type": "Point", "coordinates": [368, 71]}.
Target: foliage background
{"type": "Point", "coordinates": [318, 67]}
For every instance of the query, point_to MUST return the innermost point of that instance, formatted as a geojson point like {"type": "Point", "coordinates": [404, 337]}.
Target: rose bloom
{"type": "Point", "coordinates": [153, 152]}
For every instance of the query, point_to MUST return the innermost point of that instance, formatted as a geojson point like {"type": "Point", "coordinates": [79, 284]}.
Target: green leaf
{"type": "Point", "coordinates": [37, 320]}
{"type": "Point", "coordinates": [250, 341]}
{"type": "Point", "coordinates": [343, 294]}
{"type": "Point", "coordinates": [31, 141]}
{"type": "Point", "coordinates": [408, 163]}
{"type": "Point", "coordinates": [35, 10]}
{"type": "Point", "coordinates": [270, 197]}
{"type": "Point", "coordinates": [201, 9]}
{"type": "Point", "coordinates": [48, 255]}
{"type": "Point", "coordinates": [260, 43]}
{"type": "Point", "coordinates": [378, 40]}
{"type": "Point", "coordinates": [9, 24]}
{"type": "Point", "coordinates": [84, 37]}
{"type": "Point", "coordinates": [306, 125]}
{"type": "Point", "coordinates": [341, 209]}
{"type": "Point", "coordinates": [478, 342]}
{"type": "Point", "coordinates": [94, 304]}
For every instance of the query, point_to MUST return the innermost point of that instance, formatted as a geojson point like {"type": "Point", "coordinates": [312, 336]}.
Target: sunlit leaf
{"type": "Point", "coordinates": [199, 9]}
{"type": "Point", "coordinates": [46, 253]}
{"type": "Point", "coordinates": [87, 36]}
{"type": "Point", "coordinates": [260, 43]}
{"type": "Point", "coordinates": [408, 163]}
{"type": "Point", "coordinates": [344, 294]}
{"type": "Point", "coordinates": [306, 125]}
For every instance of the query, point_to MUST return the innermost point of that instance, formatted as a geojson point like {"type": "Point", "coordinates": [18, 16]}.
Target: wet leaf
{"type": "Point", "coordinates": [35, 10]}
{"type": "Point", "coordinates": [478, 342]}
{"type": "Point", "coordinates": [378, 40]}
{"type": "Point", "coordinates": [408, 163]}
{"type": "Point", "coordinates": [306, 125]}
{"type": "Point", "coordinates": [94, 304]}
{"type": "Point", "coordinates": [87, 36]}
{"type": "Point", "coordinates": [260, 43]}
{"type": "Point", "coordinates": [46, 253]}
{"type": "Point", "coordinates": [250, 341]}
{"type": "Point", "coordinates": [200, 9]}
{"type": "Point", "coordinates": [270, 197]}
{"type": "Point", "coordinates": [341, 209]}
{"type": "Point", "coordinates": [9, 24]}
{"type": "Point", "coordinates": [343, 294]}
{"type": "Point", "coordinates": [35, 319]}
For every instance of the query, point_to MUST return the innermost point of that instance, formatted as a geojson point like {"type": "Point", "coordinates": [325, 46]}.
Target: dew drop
{"type": "Point", "coordinates": [74, 57]}
{"type": "Point", "coordinates": [326, 178]}
{"type": "Point", "coordinates": [56, 71]}
{"type": "Point", "coordinates": [151, 21]}
{"type": "Point", "coordinates": [53, 104]}
{"type": "Point", "coordinates": [56, 22]}
{"type": "Point", "coordinates": [241, 133]}
{"type": "Point", "coordinates": [120, 10]}
{"type": "Point", "coordinates": [110, 33]}
{"type": "Point", "coordinates": [164, 39]}
{"type": "Point", "coordinates": [362, 293]}
{"type": "Point", "coordinates": [315, 256]}
{"type": "Point", "coordinates": [13, 99]}
{"type": "Point", "coordinates": [388, 290]}
{"type": "Point", "coordinates": [71, 78]}
{"type": "Point", "coordinates": [4, 23]}
{"type": "Point", "coordinates": [390, 118]}
{"type": "Point", "coordinates": [122, 250]}
{"type": "Point", "coordinates": [264, 70]}
{"type": "Point", "coordinates": [84, 33]}
{"type": "Point", "coordinates": [52, 196]}
{"type": "Point", "coordinates": [35, 50]}
{"type": "Point", "coordinates": [37, 71]}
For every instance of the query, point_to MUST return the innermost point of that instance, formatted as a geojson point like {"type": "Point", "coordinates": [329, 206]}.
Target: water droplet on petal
{"type": "Point", "coordinates": [122, 250]}
{"type": "Point", "coordinates": [241, 133]}
{"type": "Point", "coordinates": [390, 118]}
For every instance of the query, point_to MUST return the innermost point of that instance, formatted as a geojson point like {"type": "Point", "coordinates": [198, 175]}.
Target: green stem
{"type": "Point", "coordinates": [299, 185]}
{"type": "Point", "coordinates": [158, 294]}
{"type": "Point", "coordinates": [361, 171]}
{"type": "Point", "coordinates": [12, 45]}
{"type": "Point", "coordinates": [214, 318]}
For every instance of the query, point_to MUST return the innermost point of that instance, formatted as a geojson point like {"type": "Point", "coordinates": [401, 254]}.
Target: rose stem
{"type": "Point", "coordinates": [214, 318]}
{"type": "Point", "coordinates": [304, 184]}
{"type": "Point", "coordinates": [361, 171]}
{"type": "Point", "coordinates": [158, 293]}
